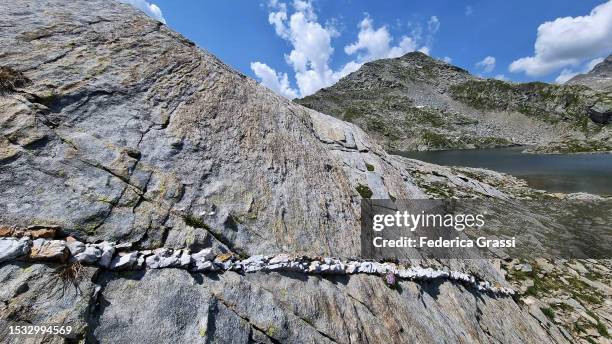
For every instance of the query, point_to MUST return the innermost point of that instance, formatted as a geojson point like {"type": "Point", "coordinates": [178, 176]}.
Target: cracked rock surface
{"type": "Point", "coordinates": [115, 128]}
{"type": "Point", "coordinates": [128, 132]}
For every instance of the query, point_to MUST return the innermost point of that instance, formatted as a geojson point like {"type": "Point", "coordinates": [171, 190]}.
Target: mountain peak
{"type": "Point", "coordinates": [416, 55]}
{"type": "Point", "coordinates": [413, 58]}
{"type": "Point", "coordinates": [441, 106]}
{"type": "Point", "coordinates": [599, 78]}
{"type": "Point", "coordinates": [407, 71]}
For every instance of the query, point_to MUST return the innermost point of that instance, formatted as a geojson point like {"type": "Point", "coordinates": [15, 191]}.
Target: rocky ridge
{"type": "Point", "coordinates": [415, 102]}
{"type": "Point", "coordinates": [115, 129]}
{"type": "Point", "coordinates": [599, 78]}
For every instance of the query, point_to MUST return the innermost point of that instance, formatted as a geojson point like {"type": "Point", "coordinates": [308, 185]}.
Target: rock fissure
{"type": "Point", "coordinates": [217, 236]}
{"type": "Point", "coordinates": [361, 303]}
{"type": "Point", "coordinates": [51, 60]}
{"type": "Point", "coordinates": [306, 321]}
{"type": "Point", "coordinates": [95, 306]}
{"type": "Point", "coordinates": [232, 308]}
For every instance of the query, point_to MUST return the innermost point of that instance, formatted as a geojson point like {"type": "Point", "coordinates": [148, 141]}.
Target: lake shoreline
{"type": "Point", "coordinates": [552, 172]}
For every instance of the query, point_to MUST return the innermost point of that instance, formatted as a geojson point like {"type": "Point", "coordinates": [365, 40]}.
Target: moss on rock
{"type": "Point", "coordinates": [364, 191]}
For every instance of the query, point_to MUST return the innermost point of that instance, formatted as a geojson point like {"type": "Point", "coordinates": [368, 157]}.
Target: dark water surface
{"type": "Point", "coordinates": [565, 173]}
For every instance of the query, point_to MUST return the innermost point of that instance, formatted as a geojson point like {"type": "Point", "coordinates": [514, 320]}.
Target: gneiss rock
{"type": "Point", "coordinates": [37, 232]}
{"type": "Point", "coordinates": [74, 246]}
{"type": "Point", "coordinates": [35, 291]}
{"type": "Point", "coordinates": [163, 258]}
{"type": "Point", "coordinates": [151, 142]}
{"type": "Point", "coordinates": [524, 267]}
{"type": "Point", "coordinates": [6, 231]}
{"type": "Point", "coordinates": [13, 248]}
{"type": "Point", "coordinates": [50, 250]}
{"type": "Point", "coordinates": [254, 263]}
{"type": "Point", "coordinates": [107, 252]}
{"type": "Point", "coordinates": [90, 254]}
{"type": "Point", "coordinates": [34, 232]}
{"type": "Point", "coordinates": [124, 261]}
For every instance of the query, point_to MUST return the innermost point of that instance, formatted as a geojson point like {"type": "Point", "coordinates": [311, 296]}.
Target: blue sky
{"type": "Point", "coordinates": [297, 46]}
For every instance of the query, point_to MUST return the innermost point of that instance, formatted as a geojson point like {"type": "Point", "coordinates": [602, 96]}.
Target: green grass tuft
{"type": "Point", "coordinates": [195, 222]}
{"type": "Point", "coordinates": [549, 312]}
{"type": "Point", "coordinates": [364, 191]}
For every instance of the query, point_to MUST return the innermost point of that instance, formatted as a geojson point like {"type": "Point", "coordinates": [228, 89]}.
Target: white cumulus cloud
{"type": "Point", "coordinates": [375, 44]}
{"type": "Point", "coordinates": [487, 64]}
{"type": "Point", "coordinates": [277, 82]}
{"type": "Point", "coordinates": [152, 10]}
{"type": "Point", "coordinates": [312, 49]}
{"type": "Point", "coordinates": [569, 41]}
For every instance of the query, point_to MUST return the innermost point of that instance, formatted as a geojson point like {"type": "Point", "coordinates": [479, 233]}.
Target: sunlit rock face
{"type": "Point", "coordinates": [124, 130]}
{"type": "Point", "coordinates": [599, 78]}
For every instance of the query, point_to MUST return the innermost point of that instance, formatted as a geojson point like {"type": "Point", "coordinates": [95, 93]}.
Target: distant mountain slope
{"type": "Point", "coordinates": [415, 102]}
{"type": "Point", "coordinates": [599, 78]}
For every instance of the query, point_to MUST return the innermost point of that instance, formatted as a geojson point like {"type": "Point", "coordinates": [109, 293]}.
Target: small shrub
{"type": "Point", "coordinates": [549, 312]}
{"type": "Point", "coordinates": [351, 114]}
{"type": "Point", "coordinates": [532, 290]}
{"type": "Point", "coordinates": [436, 140]}
{"type": "Point", "coordinates": [579, 328]}
{"type": "Point", "coordinates": [602, 329]}
{"type": "Point", "coordinates": [587, 298]}
{"type": "Point", "coordinates": [369, 167]}
{"type": "Point", "coordinates": [71, 272]}
{"type": "Point", "coordinates": [364, 191]}
{"type": "Point", "coordinates": [195, 222]}
{"type": "Point", "coordinates": [67, 277]}
{"type": "Point", "coordinates": [391, 280]}
{"type": "Point", "coordinates": [564, 307]}
{"type": "Point", "coordinates": [271, 331]}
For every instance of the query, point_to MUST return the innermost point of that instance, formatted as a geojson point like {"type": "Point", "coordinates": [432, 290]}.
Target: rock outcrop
{"type": "Point", "coordinates": [601, 113]}
{"type": "Point", "coordinates": [118, 132]}
{"type": "Point", "coordinates": [415, 102]}
{"type": "Point", "coordinates": [126, 131]}
{"type": "Point", "coordinates": [599, 78]}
